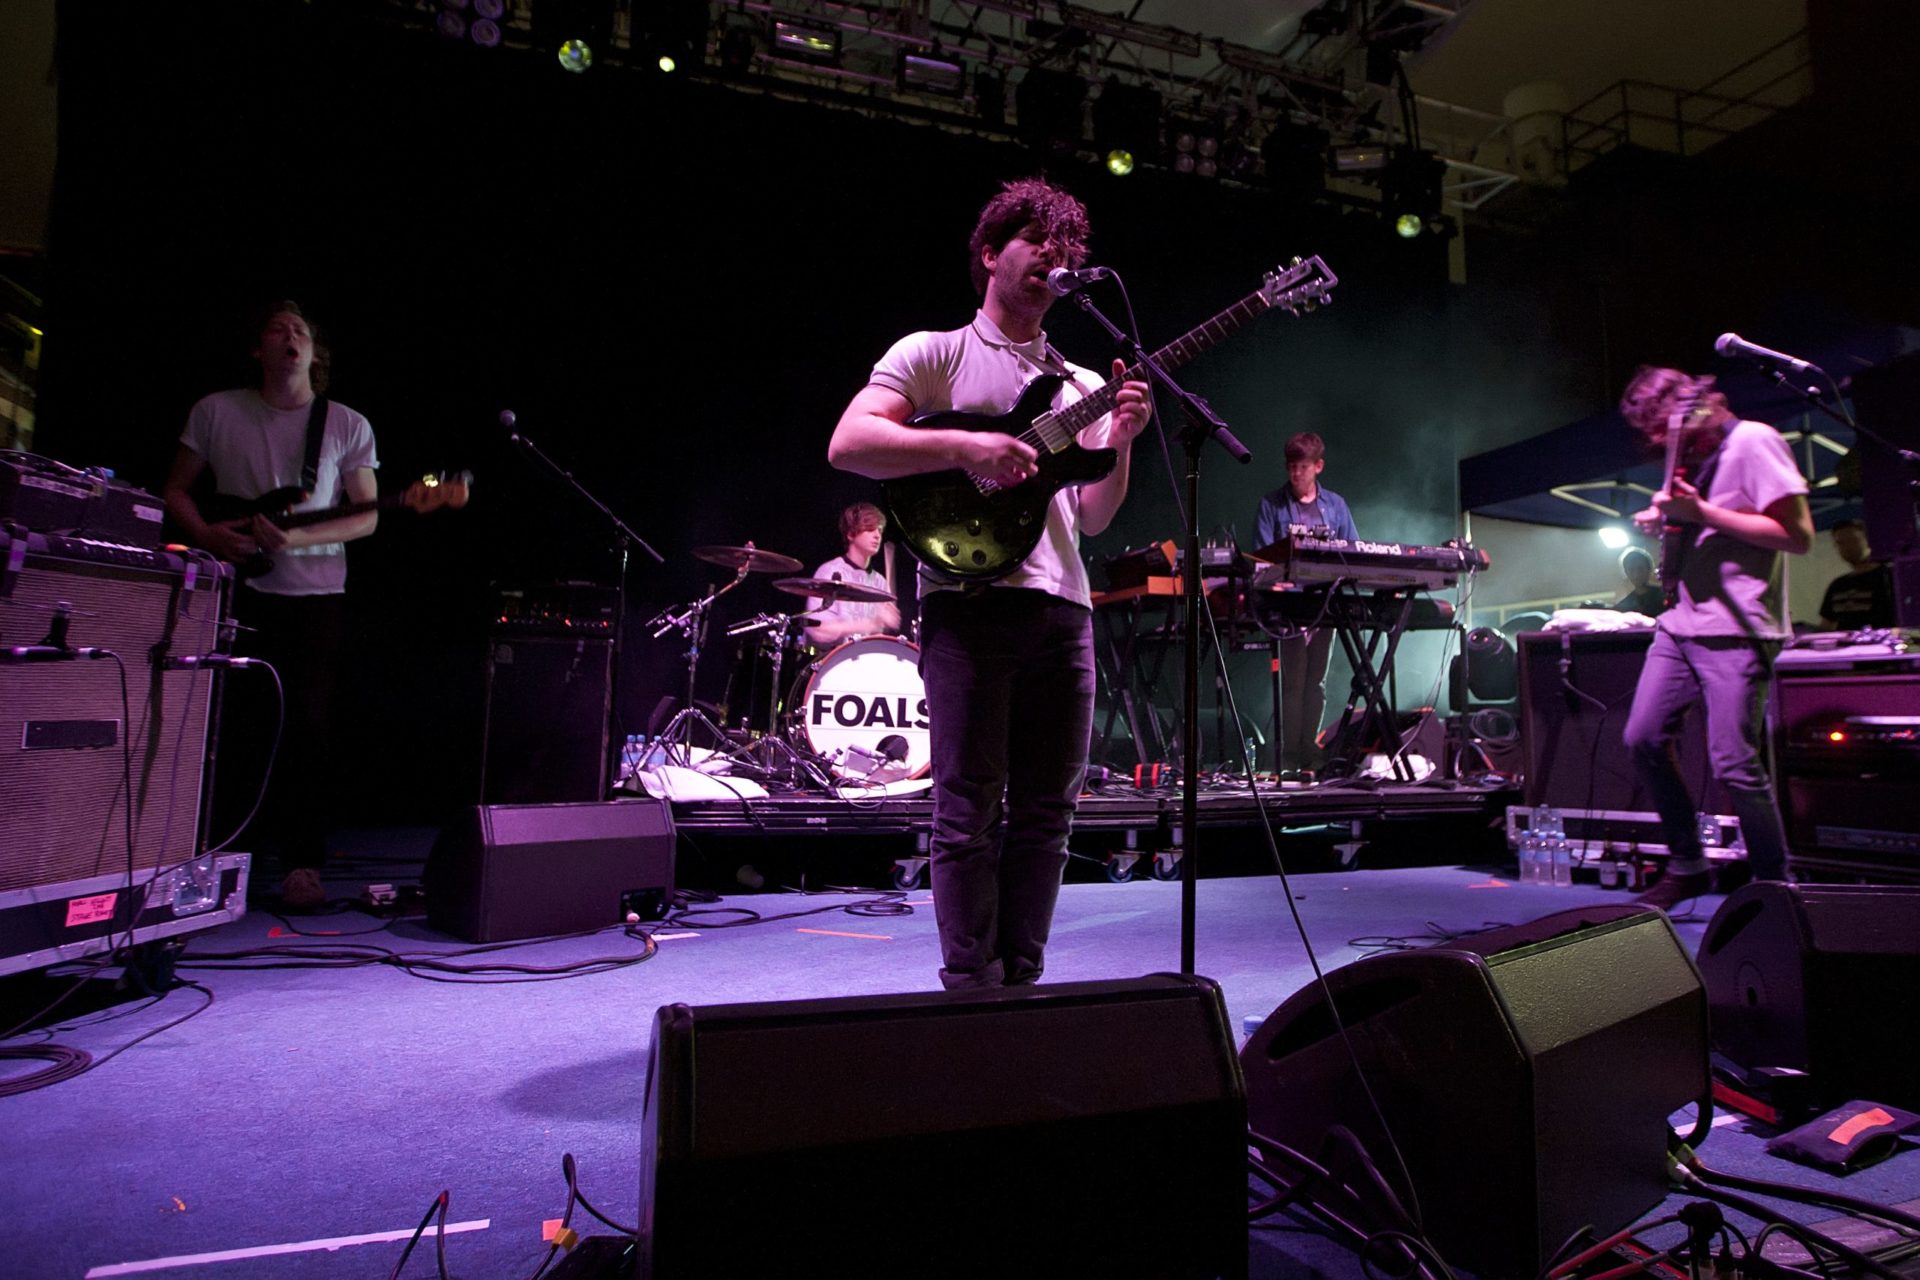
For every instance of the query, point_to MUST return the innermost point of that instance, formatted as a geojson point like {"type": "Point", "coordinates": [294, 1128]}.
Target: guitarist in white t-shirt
{"type": "Point", "coordinates": [255, 440]}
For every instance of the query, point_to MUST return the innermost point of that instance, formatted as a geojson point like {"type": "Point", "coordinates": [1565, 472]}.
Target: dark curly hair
{"type": "Point", "coordinates": [1024, 201]}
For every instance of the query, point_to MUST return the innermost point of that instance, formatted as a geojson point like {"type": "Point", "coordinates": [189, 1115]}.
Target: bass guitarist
{"type": "Point", "coordinates": [255, 440]}
{"type": "Point", "coordinates": [1008, 664]}
{"type": "Point", "coordinates": [1740, 503]}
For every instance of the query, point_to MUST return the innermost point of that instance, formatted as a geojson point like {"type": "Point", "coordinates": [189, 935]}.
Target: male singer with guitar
{"type": "Point", "coordinates": [255, 440]}
{"type": "Point", "coordinates": [1741, 504]}
{"type": "Point", "coordinates": [1008, 664]}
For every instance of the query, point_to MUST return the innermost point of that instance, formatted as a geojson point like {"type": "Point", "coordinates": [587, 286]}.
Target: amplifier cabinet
{"type": "Point", "coordinates": [1847, 724]}
{"type": "Point", "coordinates": [1576, 689]}
{"type": "Point", "coordinates": [69, 744]}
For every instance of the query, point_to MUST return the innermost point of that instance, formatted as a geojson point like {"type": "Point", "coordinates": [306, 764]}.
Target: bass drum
{"type": "Point", "coordinates": [861, 694]}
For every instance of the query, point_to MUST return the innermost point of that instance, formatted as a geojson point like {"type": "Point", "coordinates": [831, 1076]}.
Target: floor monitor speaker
{"type": "Point", "coordinates": [1819, 979]}
{"type": "Point", "coordinates": [1525, 1073]}
{"type": "Point", "coordinates": [949, 1134]}
{"type": "Point", "coordinates": [507, 871]}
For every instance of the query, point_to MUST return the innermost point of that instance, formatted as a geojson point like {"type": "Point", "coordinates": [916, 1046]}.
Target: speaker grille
{"type": "Point", "coordinates": [64, 813]}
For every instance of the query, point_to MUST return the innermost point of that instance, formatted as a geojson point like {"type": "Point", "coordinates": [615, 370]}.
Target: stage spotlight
{"type": "Point", "coordinates": [1410, 190]}
{"type": "Point", "coordinates": [485, 32]}
{"type": "Point", "coordinates": [805, 41]}
{"type": "Point", "coordinates": [452, 24]}
{"type": "Point", "coordinates": [576, 31]}
{"type": "Point", "coordinates": [671, 34]}
{"type": "Point", "coordinates": [930, 73]}
{"type": "Point", "coordinates": [1048, 107]}
{"type": "Point", "coordinates": [1359, 157]}
{"type": "Point", "coordinates": [575, 55]}
{"type": "Point", "coordinates": [1613, 537]}
{"type": "Point", "coordinates": [1126, 124]}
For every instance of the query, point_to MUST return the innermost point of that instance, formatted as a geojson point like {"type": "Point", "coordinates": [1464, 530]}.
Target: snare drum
{"type": "Point", "coordinates": [862, 692]}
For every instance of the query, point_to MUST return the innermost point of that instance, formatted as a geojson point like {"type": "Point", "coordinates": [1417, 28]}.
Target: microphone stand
{"type": "Point", "coordinates": [1201, 426]}
{"type": "Point", "coordinates": [625, 539]}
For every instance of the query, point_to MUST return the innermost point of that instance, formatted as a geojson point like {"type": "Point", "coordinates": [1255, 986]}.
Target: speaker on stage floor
{"type": "Point", "coordinates": [1576, 689]}
{"type": "Point", "coordinates": [1819, 979]}
{"type": "Point", "coordinates": [1094, 1128]}
{"type": "Point", "coordinates": [500, 872]}
{"type": "Point", "coordinates": [1526, 1073]}
{"type": "Point", "coordinates": [547, 715]}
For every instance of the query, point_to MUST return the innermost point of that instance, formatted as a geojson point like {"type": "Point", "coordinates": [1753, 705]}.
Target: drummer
{"type": "Point", "coordinates": [863, 529]}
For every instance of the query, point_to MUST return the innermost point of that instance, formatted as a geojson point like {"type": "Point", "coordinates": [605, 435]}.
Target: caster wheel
{"type": "Point", "coordinates": [908, 877]}
{"type": "Point", "coordinates": [1166, 868]}
{"type": "Point", "coordinates": [1120, 872]}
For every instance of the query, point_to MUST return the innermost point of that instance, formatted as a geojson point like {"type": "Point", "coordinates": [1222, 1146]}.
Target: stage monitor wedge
{"type": "Point", "coordinates": [1527, 1074]}
{"type": "Point", "coordinates": [1094, 1128]}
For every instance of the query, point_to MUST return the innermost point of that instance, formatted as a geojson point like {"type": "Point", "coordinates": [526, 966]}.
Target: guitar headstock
{"type": "Point", "coordinates": [1300, 285]}
{"type": "Point", "coordinates": [441, 489]}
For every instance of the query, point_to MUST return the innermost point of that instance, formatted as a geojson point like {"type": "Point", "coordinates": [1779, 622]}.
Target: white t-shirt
{"type": "Point", "coordinates": [1728, 586]}
{"type": "Point", "coordinates": [978, 369]}
{"type": "Point", "coordinates": [254, 448]}
{"type": "Point", "coordinates": [840, 567]}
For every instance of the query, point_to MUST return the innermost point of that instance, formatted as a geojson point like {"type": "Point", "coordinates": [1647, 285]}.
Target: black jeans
{"type": "Point", "coordinates": [1009, 675]}
{"type": "Point", "coordinates": [302, 636]}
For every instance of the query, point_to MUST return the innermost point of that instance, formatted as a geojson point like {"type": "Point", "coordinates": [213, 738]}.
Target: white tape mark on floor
{"type": "Point", "coordinates": [271, 1250]}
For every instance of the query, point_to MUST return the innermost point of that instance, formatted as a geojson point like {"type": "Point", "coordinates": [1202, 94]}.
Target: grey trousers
{"type": "Point", "coordinates": [1728, 677]}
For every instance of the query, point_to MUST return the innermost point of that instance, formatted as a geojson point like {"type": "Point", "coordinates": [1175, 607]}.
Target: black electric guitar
{"type": "Point", "coordinates": [1690, 409]}
{"type": "Point", "coordinates": [966, 528]}
{"type": "Point", "coordinates": [429, 493]}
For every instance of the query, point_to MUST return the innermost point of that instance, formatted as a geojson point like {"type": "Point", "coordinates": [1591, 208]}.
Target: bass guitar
{"type": "Point", "coordinates": [429, 493]}
{"type": "Point", "coordinates": [965, 528]}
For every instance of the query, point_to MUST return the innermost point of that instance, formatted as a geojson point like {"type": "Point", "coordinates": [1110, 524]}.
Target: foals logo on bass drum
{"type": "Point", "coordinates": [861, 711]}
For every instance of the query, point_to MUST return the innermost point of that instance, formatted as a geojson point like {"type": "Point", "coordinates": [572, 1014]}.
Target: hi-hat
{"type": "Point", "coordinates": [748, 557]}
{"type": "Point", "coordinates": [833, 590]}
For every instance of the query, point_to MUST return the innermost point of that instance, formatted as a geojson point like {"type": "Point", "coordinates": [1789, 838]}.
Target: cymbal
{"type": "Point", "coordinates": [748, 557]}
{"type": "Point", "coordinates": [831, 590]}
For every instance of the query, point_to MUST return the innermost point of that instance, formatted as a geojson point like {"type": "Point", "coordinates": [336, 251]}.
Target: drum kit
{"type": "Point", "coordinates": [856, 713]}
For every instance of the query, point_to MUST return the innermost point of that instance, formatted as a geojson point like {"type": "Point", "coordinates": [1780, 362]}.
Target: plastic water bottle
{"type": "Point", "coordinates": [630, 755]}
{"type": "Point", "coordinates": [1563, 861]}
{"type": "Point", "coordinates": [1529, 859]}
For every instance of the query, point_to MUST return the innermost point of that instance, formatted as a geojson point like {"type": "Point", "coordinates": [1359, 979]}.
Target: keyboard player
{"type": "Point", "coordinates": [1303, 505]}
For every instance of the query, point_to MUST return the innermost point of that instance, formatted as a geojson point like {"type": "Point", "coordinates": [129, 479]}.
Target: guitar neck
{"type": "Point", "coordinates": [1077, 416]}
{"type": "Point", "coordinates": [302, 519]}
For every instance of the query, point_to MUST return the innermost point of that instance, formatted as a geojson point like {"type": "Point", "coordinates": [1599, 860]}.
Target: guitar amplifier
{"type": "Point", "coordinates": [69, 744]}
{"type": "Point", "coordinates": [1847, 722]}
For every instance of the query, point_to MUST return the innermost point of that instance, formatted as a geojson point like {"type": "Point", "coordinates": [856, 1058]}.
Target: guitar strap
{"type": "Point", "coordinates": [316, 431]}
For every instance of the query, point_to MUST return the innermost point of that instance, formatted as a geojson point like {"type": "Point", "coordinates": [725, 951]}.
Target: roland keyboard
{"type": "Point", "coordinates": [1371, 566]}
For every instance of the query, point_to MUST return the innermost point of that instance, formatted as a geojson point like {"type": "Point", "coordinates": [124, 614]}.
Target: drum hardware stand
{"type": "Point", "coordinates": [784, 763]}
{"type": "Point", "coordinates": [691, 621]}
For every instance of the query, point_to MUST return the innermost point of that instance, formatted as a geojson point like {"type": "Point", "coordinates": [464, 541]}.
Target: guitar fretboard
{"type": "Point", "coordinates": [1055, 431]}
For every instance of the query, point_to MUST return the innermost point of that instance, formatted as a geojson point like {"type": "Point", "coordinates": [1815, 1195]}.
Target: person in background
{"type": "Point", "coordinates": [1303, 506]}
{"type": "Point", "coordinates": [1644, 595]}
{"type": "Point", "coordinates": [1862, 597]}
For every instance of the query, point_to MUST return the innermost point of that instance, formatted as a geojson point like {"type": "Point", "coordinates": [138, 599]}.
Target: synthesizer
{"type": "Point", "coordinates": [1303, 560]}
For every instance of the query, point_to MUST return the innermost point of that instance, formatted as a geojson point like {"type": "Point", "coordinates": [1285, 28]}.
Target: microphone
{"type": "Point", "coordinates": [50, 653]}
{"type": "Point", "coordinates": [1064, 281]}
{"type": "Point", "coordinates": [1732, 344]}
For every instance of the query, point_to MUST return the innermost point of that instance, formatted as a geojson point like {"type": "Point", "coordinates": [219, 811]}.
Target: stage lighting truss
{"type": "Point", "coordinates": [957, 64]}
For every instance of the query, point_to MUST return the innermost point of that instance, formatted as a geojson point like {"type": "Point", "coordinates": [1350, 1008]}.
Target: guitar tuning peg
{"type": "Point", "coordinates": [1294, 261]}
